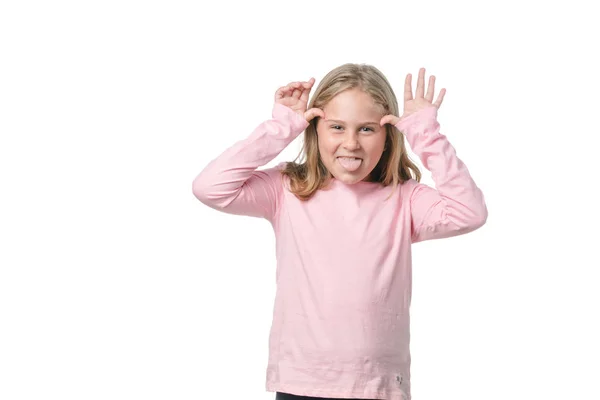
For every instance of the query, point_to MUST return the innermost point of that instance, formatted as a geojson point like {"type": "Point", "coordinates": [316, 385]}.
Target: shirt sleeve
{"type": "Point", "coordinates": [458, 205]}
{"type": "Point", "coordinates": [231, 182]}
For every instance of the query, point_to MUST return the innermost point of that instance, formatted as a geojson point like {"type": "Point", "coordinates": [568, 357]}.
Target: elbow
{"type": "Point", "coordinates": [468, 221]}
{"type": "Point", "coordinates": [201, 190]}
{"type": "Point", "coordinates": [479, 219]}
{"type": "Point", "coordinates": [209, 193]}
{"type": "Point", "coordinates": [484, 216]}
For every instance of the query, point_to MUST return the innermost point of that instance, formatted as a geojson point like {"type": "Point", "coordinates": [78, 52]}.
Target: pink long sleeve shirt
{"type": "Point", "coordinates": [341, 315]}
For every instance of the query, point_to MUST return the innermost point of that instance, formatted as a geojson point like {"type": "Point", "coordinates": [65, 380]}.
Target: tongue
{"type": "Point", "coordinates": [350, 164]}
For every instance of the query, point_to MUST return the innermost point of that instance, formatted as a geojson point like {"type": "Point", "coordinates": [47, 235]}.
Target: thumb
{"type": "Point", "coordinates": [389, 119]}
{"type": "Point", "coordinates": [312, 113]}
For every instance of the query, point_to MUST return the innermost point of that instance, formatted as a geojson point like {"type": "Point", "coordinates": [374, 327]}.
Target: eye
{"type": "Point", "coordinates": [337, 126]}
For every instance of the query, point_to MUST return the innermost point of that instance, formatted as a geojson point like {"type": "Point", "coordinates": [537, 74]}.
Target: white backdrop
{"type": "Point", "coordinates": [116, 283]}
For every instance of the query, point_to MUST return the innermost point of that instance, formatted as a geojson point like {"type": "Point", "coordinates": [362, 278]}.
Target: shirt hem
{"type": "Point", "coordinates": [303, 391]}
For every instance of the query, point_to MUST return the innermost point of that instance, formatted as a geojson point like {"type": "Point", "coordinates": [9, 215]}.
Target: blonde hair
{"type": "Point", "coordinates": [393, 168]}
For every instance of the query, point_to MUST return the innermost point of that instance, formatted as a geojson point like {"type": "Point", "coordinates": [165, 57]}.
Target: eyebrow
{"type": "Point", "coordinates": [360, 123]}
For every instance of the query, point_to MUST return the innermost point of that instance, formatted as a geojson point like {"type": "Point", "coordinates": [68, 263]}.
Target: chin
{"type": "Point", "coordinates": [349, 178]}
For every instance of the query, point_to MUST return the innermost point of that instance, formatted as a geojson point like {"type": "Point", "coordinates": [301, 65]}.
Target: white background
{"type": "Point", "coordinates": [116, 283]}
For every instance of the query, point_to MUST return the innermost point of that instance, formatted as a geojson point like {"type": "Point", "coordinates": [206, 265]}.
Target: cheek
{"type": "Point", "coordinates": [328, 144]}
{"type": "Point", "coordinates": [374, 146]}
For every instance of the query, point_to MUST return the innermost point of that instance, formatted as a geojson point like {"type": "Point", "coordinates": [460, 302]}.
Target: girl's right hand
{"type": "Point", "coordinates": [295, 96]}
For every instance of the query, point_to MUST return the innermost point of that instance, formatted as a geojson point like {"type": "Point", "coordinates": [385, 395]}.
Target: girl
{"type": "Point", "coordinates": [344, 221]}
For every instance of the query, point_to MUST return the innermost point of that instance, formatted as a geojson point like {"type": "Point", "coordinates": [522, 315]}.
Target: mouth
{"type": "Point", "coordinates": [349, 158]}
{"type": "Point", "coordinates": [350, 164]}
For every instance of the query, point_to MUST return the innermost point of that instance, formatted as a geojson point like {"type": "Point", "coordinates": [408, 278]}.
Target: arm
{"type": "Point", "coordinates": [458, 205]}
{"type": "Point", "coordinates": [231, 183]}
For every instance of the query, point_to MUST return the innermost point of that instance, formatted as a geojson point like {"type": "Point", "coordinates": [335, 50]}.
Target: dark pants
{"type": "Point", "coordinates": [288, 396]}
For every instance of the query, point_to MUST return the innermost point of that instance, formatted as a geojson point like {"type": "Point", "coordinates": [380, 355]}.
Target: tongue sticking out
{"type": "Point", "coordinates": [349, 163]}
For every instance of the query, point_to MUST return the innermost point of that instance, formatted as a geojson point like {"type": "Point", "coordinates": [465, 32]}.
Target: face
{"type": "Point", "coordinates": [351, 141]}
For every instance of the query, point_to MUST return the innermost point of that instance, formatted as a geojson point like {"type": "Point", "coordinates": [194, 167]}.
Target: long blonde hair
{"type": "Point", "coordinates": [393, 168]}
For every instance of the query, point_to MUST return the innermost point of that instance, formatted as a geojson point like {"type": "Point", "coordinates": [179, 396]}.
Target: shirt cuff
{"type": "Point", "coordinates": [418, 120]}
{"type": "Point", "coordinates": [290, 117]}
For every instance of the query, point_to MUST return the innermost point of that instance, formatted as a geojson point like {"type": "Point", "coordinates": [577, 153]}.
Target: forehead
{"type": "Point", "coordinates": [352, 105]}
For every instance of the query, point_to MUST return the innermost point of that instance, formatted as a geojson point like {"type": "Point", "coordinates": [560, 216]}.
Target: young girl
{"type": "Point", "coordinates": [344, 221]}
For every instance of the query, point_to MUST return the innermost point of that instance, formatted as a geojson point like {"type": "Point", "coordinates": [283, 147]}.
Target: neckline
{"type": "Point", "coordinates": [358, 184]}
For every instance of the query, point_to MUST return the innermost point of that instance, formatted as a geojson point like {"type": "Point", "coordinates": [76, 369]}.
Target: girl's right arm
{"type": "Point", "coordinates": [231, 182]}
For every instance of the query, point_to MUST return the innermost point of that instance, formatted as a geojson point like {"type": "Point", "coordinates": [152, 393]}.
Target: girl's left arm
{"type": "Point", "coordinates": [458, 205]}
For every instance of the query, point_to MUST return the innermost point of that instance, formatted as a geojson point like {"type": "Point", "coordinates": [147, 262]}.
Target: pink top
{"type": "Point", "coordinates": [341, 316]}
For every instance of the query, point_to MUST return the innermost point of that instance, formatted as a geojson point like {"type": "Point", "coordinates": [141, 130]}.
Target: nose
{"type": "Point", "coordinates": [351, 141]}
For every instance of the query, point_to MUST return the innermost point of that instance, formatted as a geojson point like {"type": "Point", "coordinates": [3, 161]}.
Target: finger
{"type": "Point", "coordinates": [286, 88]}
{"type": "Point", "coordinates": [440, 98]}
{"type": "Point", "coordinates": [430, 89]}
{"type": "Point", "coordinates": [283, 91]}
{"type": "Point", "coordinates": [307, 89]}
{"type": "Point", "coordinates": [294, 89]}
{"type": "Point", "coordinates": [290, 86]}
{"type": "Point", "coordinates": [297, 90]}
{"type": "Point", "coordinates": [421, 83]}
{"type": "Point", "coordinates": [387, 119]}
{"type": "Point", "coordinates": [408, 88]}
{"type": "Point", "coordinates": [314, 113]}
{"type": "Point", "coordinates": [304, 95]}
{"type": "Point", "coordinates": [280, 92]}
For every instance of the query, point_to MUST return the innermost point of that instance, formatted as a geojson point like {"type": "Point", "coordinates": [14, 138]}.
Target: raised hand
{"type": "Point", "coordinates": [295, 96]}
{"type": "Point", "coordinates": [420, 101]}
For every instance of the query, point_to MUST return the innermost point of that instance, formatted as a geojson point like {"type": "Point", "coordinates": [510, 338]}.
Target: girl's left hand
{"type": "Point", "coordinates": [420, 101]}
